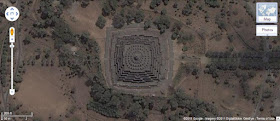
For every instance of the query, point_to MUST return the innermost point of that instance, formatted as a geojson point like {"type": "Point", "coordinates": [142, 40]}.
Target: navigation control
{"type": "Point", "coordinates": [12, 13]}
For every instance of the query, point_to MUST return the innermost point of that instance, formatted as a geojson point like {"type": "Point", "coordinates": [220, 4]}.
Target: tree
{"type": "Point", "coordinates": [27, 40]}
{"type": "Point", "coordinates": [181, 98]}
{"type": "Point", "coordinates": [84, 38]}
{"type": "Point", "coordinates": [185, 37]}
{"type": "Point", "coordinates": [37, 119]}
{"type": "Point", "coordinates": [18, 78]}
{"type": "Point", "coordinates": [130, 16]}
{"type": "Point", "coordinates": [164, 109]}
{"type": "Point", "coordinates": [173, 103]}
{"type": "Point", "coordinates": [105, 97]}
{"type": "Point", "coordinates": [267, 94]}
{"type": "Point", "coordinates": [66, 3]}
{"type": "Point", "coordinates": [147, 24]}
{"type": "Point", "coordinates": [136, 113]}
{"type": "Point", "coordinates": [207, 17]}
{"type": "Point", "coordinates": [47, 10]}
{"type": "Point", "coordinates": [130, 2]}
{"type": "Point", "coordinates": [189, 21]}
{"type": "Point", "coordinates": [165, 2]}
{"type": "Point", "coordinates": [245, 87]}
{"type": "Point", "coordinates": [163, 12]}
{"type": "Point", "coordinates": [89, 83]}
{"type": "Point", "coordinates": [126, 2]}
{"type": "Point", "coordinates": [212, 3]}
{"type": "Point", "coordinates": [177, 26]}
{"type": "Point", "coordinates": [101, 21]}
{"type": "Point", "coordinates": [139, 16]}
{"type": "Point", "coordinates": [109, 6]}
{"type": "Point", "coordinates": [85, 3]}
{"type": "Point", "coordinates": [230, 38]}
{"type": "Point", "coordinates": [154, 3]}
{"type": "Point", "coordinates": [13, 1]}
{"type": "Point", "coordinates": [185, 48]}
{"type": "Point", "coordinates": [40, 33]}
{"type": "Point", "coordinates": [106, 10]}
{"type": "Point", "coordinates": [162, 23]}
{"type": "Point", "coordinates": [175, 5]}
{"type": "Point", "coordinates": [113, 4]}
{"type": "Point", "coordinates": [118, 21]}
{"type": "Point", "coordinates": [187, 10]}
{"type": "Point", "coordinates": [249, 10]}
{"type": "Point", "coordinates": [174, 35]}
{"type": "Point", "coordinates": [176, 29]}
{"type": "Point", "coordinates": [220, 22]}
{"type": "Point", "coordinates": [50, 22]}
{"type": "Point", "coordinates": [173, 117]}
{"type": "Point", "coordinates": [62, 34]}
{"type": "Point", "coordinates": [2, 12]}
{"type": "Point", "coordinates": [151, 105]}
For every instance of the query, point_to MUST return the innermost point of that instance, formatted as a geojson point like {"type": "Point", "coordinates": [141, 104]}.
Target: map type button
{"type": "Point", "coordinates": [266, 30]}
{"type": "Point", "coordinates": [267, 12]}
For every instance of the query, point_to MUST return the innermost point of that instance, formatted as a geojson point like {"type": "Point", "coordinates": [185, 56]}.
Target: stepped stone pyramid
{"type": "Point", "coordinates": [138, 59]}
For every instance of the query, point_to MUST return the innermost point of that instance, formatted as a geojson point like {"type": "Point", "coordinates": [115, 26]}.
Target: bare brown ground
{"type": "Point", "coordinates": [155, 117]}
{"type": "Point", "coordinates": [40, 92]}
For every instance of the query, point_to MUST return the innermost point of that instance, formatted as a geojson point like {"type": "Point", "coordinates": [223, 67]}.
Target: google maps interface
{"type": "Point", "coordinates": [139, 60]}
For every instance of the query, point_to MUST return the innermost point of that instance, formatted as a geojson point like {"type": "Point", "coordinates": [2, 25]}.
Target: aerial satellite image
{"type": "Point", "coordinates": [139, 60]}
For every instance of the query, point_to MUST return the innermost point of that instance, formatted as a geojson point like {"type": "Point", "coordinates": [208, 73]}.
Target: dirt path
{"type": "Point", "coordinates": [276, 109]}
{"type": "Point", "coordinates": [259, 102]}
{"type": "Point", "coordinates": [3, 99]}
{"type": "Point", "coordinates": [33, 10]}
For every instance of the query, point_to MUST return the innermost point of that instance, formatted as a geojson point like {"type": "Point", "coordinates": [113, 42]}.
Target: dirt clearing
{"type": "Point", "coordinates": [40, 92]}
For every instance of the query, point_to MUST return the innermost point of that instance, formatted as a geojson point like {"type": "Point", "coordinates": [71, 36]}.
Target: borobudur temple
{"type": "Point", "coordinates": [138, 59]}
